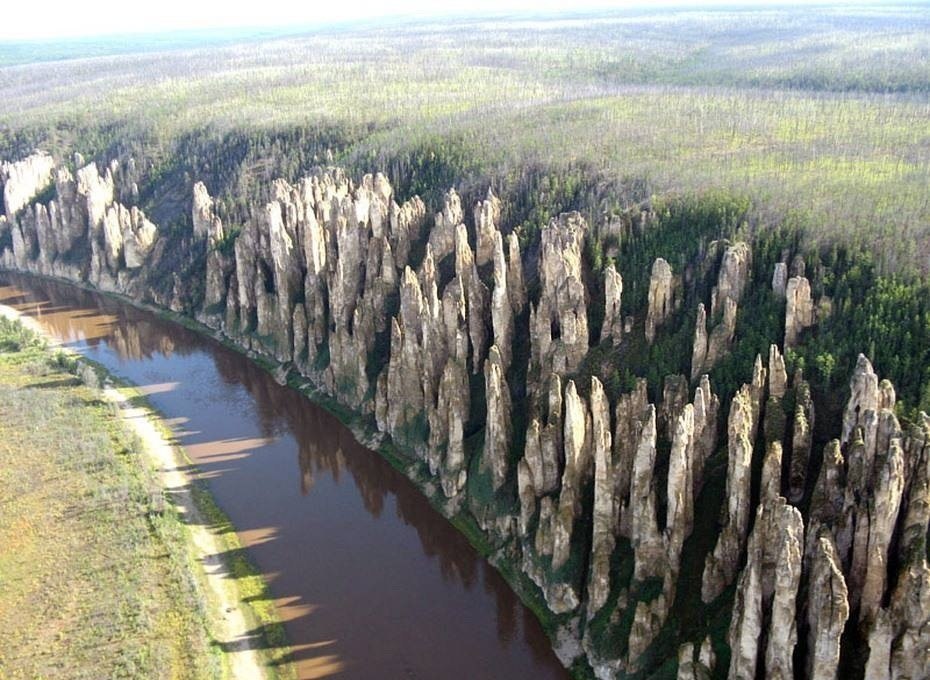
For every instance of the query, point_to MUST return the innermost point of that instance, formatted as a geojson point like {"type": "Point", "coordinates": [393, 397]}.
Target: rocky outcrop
{"type": "Point", "coordinates": [447, 429]}
{"type": "Point", "coordinates": [721, 566]}
{"type": "Point", "coordinates": [778, 376]}
{"type": "Point", "coordinates": [732, 278]}
{"type": "Point", "coordinates": [515, 285]}
{"type": "Point", "coordinates": [502, 311]}
{"type": "Point", "coordinates": [219, 265]}
{"type": "Point", "coordinates": [559, 323]}
{"type": "Point", "coordinates": [799, 310]}
{"type": "Point", "coordinates": [337, 281]}
{"type": "Point", "coordinates": [827, 611]}
{"type": "Point", "coordinates": [882, 510]}
{"type": "Point", "coordinates": [660, 297]}
{"type": "Point", "coordinates": [544, 443]}
{"type": "Point", "coordinates": [801, 438]}
{"type": "Point", "coordinates": [780, 280]}
{"type": "Point", "coordinates": [127, 234]}
{"type": "Point", "coordinates": [203, 218]}
{"type": "Point", "coordinates": [82, 222]}
{"type": "Point", "coordinates": [764, 608]}
{"type": "Point", "coordinates": [699, 348]}
{"type": "Point", "coordinates": [708, 350]}
{"type": "Point", "coordinates": [630, 414]}
{"type": "Point", "coordinates": [700, 668]}
{"type": "Point", "coordinates": [497, 437]}
{"type": "Point", "coordinates": [612, 329]}
{"type": "Point", "coordinates": [706, 407]}
{"type": "Point", "coordinates": [487, 216]}
{"type": "Point", "coordinates": [578, 460]}
{"type": "Point", "coordinates": [680, 488]}
{"type": "Point", "coordinates": [406, 224]}
{"type": "Point", "coordinates": [604, 514]}
{"type": "Point", "coordinates": [648, 544]}
{"type": "Point", "coordinates": [442, 236]}
{"type": "Point", "coordinates": [23, 179]}
{"type": "Point", "coordinates": [863, 400]}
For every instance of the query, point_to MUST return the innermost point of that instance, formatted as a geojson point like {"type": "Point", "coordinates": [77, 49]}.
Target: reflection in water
{"type": "Point", "coordinates": [359, 597]}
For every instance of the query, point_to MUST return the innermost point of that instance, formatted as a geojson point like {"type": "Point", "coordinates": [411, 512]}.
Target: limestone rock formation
{"type": "Point", "coordinates": [700, 668]}
{"type": "Point", "coordinates": [827, 611]}
{"type": "Point", "coordinates": [501, 308]}
{"type": "Point", "coordinates": [559, 323]}
{"type": "Point", "coordinates": [648, 543]}
{"type": "Point", "coordinates": [98, 192]}
{"type": "Point", "coordinates": [406, 224]}
{"type": "Point", "coordinates": [803, 427]}
{"type": "Point", "coordinates": [210, 227]}
{"type": "Point", "coordinates": [442, 236]}
{"type": "Point", "coordinates": [487, 217]}
{"type": "Point", "coordinates": [630, 414]}
{"type": "Point", "coordinates": [660, 297]}
{"type": "Point", "coordinates": [721, 566]}
{"type": "Point", "coordinates": [706, 408]}
{"type": "Point", "coordinates": [544, 442]}
{"type": "Point", "coordinates": [578, 463]}
{"type": "Point", "coordinates": [864, 397]}
{"type": "Point", "coordinates": [497, 437]}
{"type": "Point", "coordinates": [699, 348]}
{"type": "Point", "coordinates": [83, 233]}
{"type": "Point", "coordinates": [515, 285]}
{"type": "Point", "coordinates": [733, 276]}
{"type": "Point", "coordinates": [765, 604]}
{"type": "Point", "coordinates": [24, 179]}
{"type": "Point", "coordinates": [883, 515]}
{"type": "Point", "coordinates": [613, 318]}
{"type": "Point", "coordinates": [778, 376]}
{"type": "Point", "coordinates": [799, 311]}
{"type": "Point", "coordinates": [708, 350]}
{"type": "Point", "coordinates": [451, 411]}
{"type": "Point", "coordinates": [321, 279]}
{"type": "Point", "coordinates": [127, 233]}
{"type": "Point", "coordinates": [202, 215]}
{"type": "Point", "coordinates": [604, 514]}
{"type": "Point", "coordinates": [403, 387]}
{"type": "Point", "coordinates": [680, 487]}
{"type": "Point", "coordinates": [780, 280]}
{"type": "Point", "coordinates": [787, 532]}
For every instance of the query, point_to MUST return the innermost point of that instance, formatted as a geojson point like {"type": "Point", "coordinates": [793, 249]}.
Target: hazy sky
{"type": "Point", "coordinates": [28, 19]}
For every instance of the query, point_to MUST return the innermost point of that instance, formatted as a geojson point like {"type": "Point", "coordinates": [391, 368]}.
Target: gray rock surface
{"type": "Point", "coordinates": [660, 297]}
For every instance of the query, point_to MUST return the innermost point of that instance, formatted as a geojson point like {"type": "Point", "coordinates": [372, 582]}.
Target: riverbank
{"type": "Point", "coordinates": [118, 561]}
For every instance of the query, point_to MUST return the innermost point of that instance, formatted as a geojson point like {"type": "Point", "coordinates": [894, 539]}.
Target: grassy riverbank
{"type": "Point", "coordinates": [100, 575]}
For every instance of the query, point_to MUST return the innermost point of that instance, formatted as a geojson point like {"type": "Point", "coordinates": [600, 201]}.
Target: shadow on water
{"type": "Point", "coordinates": [368, 579]}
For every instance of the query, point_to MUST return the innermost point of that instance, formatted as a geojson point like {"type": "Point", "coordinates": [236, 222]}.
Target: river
{"type": "Point", "coordinates": [370, 581]}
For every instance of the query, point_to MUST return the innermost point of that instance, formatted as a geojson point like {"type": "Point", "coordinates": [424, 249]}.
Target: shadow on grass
{"type": "Point", "coordinates": [55, 384]}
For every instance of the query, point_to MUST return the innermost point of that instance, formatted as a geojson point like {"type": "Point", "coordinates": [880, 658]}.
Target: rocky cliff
{"type": "Point", "coordinates": [639, 515]}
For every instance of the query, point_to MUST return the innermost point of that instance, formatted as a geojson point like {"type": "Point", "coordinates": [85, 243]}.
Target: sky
{"type": "Point", "coordinates": [32, 19]}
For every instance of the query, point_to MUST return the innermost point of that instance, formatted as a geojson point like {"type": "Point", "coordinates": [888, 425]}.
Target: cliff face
{"type": "Point", "coordinates": [419, 323]}
{"type": "Point", "coordinates": [24, 179]}
{"type": "Point", "coordinates": [83, 234]}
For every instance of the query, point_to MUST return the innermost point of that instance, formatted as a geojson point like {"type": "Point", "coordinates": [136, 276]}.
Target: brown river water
{"type": "Point", "coordinates": [371, 581]}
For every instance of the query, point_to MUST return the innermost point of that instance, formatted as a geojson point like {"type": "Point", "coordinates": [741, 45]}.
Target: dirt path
{"type": "Point", "coordinates": [228, 621]}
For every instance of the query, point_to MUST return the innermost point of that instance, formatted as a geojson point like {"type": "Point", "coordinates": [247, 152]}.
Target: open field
{"type": "Point", "coordinates": [101, 573]}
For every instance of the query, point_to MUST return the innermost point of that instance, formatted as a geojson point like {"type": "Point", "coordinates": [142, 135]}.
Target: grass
{"type": "Point", "coordinates": [98, 577]}
{"type": "Point", "coordinates": [94, 580]}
